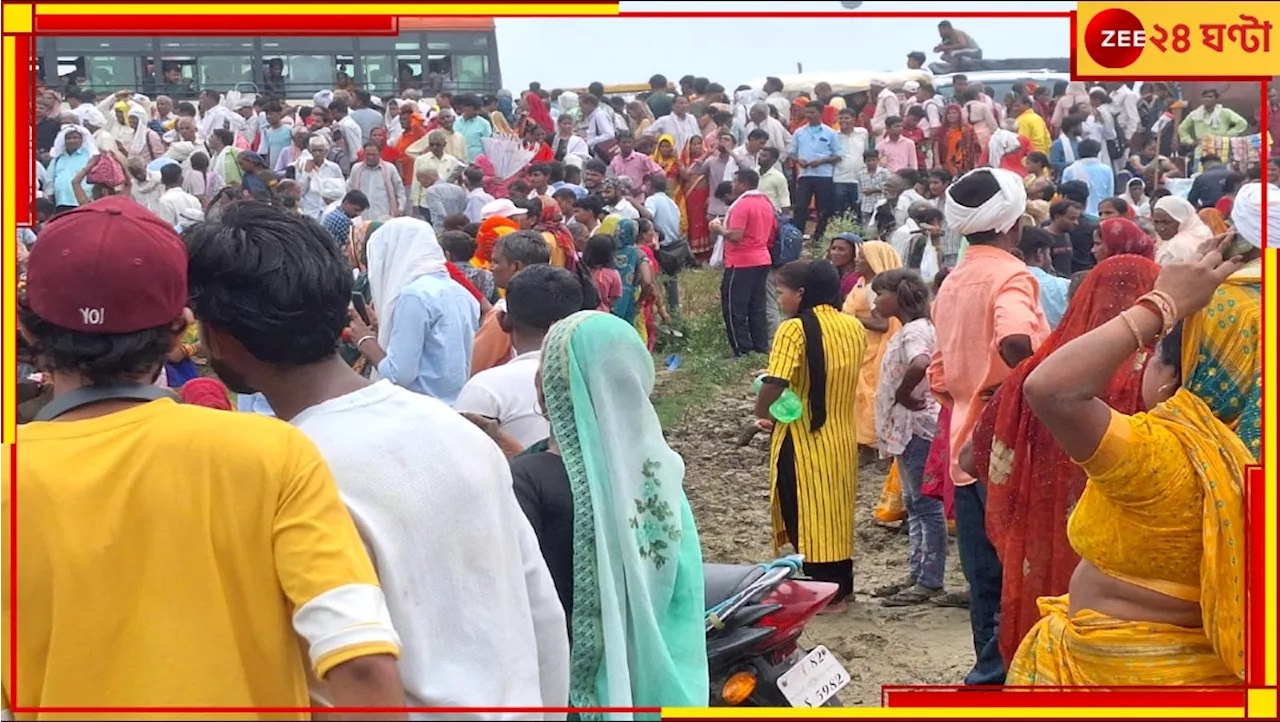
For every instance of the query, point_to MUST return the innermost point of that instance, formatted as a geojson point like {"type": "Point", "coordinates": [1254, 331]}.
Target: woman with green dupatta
{"type": "Point", "coordinates": [605, 496]}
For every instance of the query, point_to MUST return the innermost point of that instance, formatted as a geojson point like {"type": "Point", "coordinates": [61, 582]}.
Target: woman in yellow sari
{"type": "Point", "coordinates": [667, 156]}
{"type": "Point", "coordinates": [873, 257]}
{"type": "Point", "coordinates": [1158, 596]}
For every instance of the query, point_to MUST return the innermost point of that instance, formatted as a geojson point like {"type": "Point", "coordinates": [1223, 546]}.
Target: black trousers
{"type": "Point", "coordinates": [841, 572]}
{"type": "Point", "coordinates": [743, 295]}
{"type": "Point", "coordinates": [822, 191]}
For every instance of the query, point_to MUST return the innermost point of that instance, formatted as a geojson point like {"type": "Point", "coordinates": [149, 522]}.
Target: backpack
{"type": "Point", "coordinates": [788, 246]}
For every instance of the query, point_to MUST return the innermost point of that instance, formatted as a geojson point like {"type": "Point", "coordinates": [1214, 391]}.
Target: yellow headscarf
{"type": "Point", "coordinates": [656, 156]}
{"type": "Point", "coordinates": [609, 224]}
{"type": "Point", "coordinates": [881, 256]}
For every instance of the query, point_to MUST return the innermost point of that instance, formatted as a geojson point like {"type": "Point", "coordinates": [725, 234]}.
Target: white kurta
{"type": "Point", "coordinates": [372, 182]}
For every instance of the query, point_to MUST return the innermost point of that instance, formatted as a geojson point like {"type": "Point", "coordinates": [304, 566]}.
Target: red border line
{"type": "Point", "coordinates": [24, 48]}
{"type": "Point", "coordinates": [1208, 698]}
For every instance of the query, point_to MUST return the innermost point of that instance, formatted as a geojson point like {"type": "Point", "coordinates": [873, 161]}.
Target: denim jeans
{"type": "Point", "coordinates": [926, 521]}
{"type": "Point", "coordinates": [847, 199]}
{"type": "Point", "coordinates": [982, 570]}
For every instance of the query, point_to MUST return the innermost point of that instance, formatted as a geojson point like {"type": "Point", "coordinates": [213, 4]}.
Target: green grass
{"type": "Point", "coordinates": [707, 367]}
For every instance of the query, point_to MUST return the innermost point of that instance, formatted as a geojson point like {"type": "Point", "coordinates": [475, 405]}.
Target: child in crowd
{"type": "Point", "coordinates": [459, 248]}
{"type": "Point", "coordinates": [906, 423]}
{"type": "Point", "coordinates": [871, 182]}
{"type": "Point", "coordinates": [599, 258]}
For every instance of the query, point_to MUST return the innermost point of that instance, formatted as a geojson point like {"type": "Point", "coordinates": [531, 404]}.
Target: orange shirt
{"type": "Point", "coordinates": [991, 296]}
{"type": "Point", "coordinates": [492, 346]}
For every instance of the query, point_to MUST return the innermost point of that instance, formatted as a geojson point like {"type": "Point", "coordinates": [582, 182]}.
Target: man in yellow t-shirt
{"type": "Point", "coordinates": [1030, 125]}
{"type": "Point", "coordinates": [169, 555]}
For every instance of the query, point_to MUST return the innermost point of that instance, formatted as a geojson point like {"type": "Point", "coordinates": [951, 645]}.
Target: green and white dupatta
{"type": "Point", "coordinates": [637, 629]}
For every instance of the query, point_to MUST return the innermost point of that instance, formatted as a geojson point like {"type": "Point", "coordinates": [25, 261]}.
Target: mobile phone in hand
{"type": "Point", "coordinates": [357, 301]}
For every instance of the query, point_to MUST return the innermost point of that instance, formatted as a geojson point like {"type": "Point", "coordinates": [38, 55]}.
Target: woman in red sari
{"type": "Point", "coordinates": [955, 147]}
{"type": "Point", "coordinates": [535, 141]}
{"type": "Point", "coordinates": [1032, 485]}
{"type": "Point", "coordinates": [697, 198]}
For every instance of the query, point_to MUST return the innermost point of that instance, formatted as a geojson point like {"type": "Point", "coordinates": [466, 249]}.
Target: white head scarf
{"type": "Point", "coordinates": [1246, 214]}
{"type": "Point", "coordinates": [86, 140]}
{"type": "Point", "coordinates": [568, 101]}
{"type": "Point", "coordinates": [1002, 143]}
{"type": "Point", "coordinates": [400, 252]}
{"type": "Point", "coordinates": [999, 213]}
{"type": "Point", "coordinates": [1191, 231]}
{"type": "Point", "coordinates": [322, 98]}
{"type": "Point", "coordinates": [139, 142]}
{"type": "Point", "coordinates": [87, 114]}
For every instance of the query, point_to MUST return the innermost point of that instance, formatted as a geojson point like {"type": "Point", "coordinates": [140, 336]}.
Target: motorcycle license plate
{"type": "Point", "coordinates": [814, 679]}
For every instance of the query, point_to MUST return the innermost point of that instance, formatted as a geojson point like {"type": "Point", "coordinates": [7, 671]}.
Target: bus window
{"type": "Point", "coordinates": [223, 73]}
{"type": "Point", "coordinates": [387, 74]}
{"type": "Point", "coordinates": [101, 73]}
{"type": "Point", "coordinates": [298, 74]}
{"type": "Point", "coordinates": [470, 72]}
{"type": "Point", "coordinates": [177, 78]}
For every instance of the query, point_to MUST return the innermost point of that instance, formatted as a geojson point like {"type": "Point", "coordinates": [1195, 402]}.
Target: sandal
{"type": "Point", "coordinates": [959, 600]}
{"type": "Point", "coordinates": [913, 595]}
{"type": "Point", "coordinates": [889, 590]}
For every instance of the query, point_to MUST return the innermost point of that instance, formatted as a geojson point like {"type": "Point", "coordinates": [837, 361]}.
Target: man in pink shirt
{"type": "Point", "coordinates": [897, 152]}
{"type": "Point", "coordinates": [632, 165]}
{"type": "Point", "coordinates": [748, 230]}
{"type": "Point", "coordinates": [988, 320]}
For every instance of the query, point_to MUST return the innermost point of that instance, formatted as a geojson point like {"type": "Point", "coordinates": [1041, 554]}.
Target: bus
{"type": "Point", "coordinates": [431, 54]}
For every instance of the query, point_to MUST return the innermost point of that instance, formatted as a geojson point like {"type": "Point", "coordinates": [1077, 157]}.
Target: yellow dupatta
{"type": "Point", "coordinates": [675, 186]}
{"type": "Point", "coordinates": [881, 257]}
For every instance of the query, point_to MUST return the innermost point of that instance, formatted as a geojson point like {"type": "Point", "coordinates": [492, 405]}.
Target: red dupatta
{"type": "Point", "coordinates": [1032, 484]}
{"type": "Point", "coordinates": [552, 223]}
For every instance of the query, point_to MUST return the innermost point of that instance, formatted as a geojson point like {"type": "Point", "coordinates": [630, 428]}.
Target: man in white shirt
{"type": "Point", "coordinates": [537, 297]}
{"type": "Point", "coordinates": [779, 136]}
{"type": "Point", "coordinates": [679, 124]}
{"type": "Point", "coordinates": [773, 184]}
{"type": "Point", "coordinates": [887, 105]}
{"type": "Point", "coordinates": [744, 157]}
{"type": "Point", "coordinates": [616, 194]}
{"type": "Point", "coordinates": [774, 97]}
{"type": "Point", "coordinates": [1124, 101]}
{"type": "Point", "coordinates": [380, 181]}
{"type": "Point", "coordinates": [601, 132]}
{"type": "Point", "coordinates": [465, 582]}
{"type": "Point", "coordinates": [346, 129]}
{"type": "Point", "coordinates": [853, 145]}
{"type": "Point", "coordinates": [173, 201]}
{"type": "Point", "coordinates": [477, 198]}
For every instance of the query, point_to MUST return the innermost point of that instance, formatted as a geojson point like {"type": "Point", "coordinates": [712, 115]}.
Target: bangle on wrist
{"type": "Point", "coordinates": [363, 339]}
{"type": "Point", "coordinates": [1140, 356]}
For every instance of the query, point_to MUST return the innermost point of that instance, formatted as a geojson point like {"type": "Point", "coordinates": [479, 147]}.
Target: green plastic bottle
{"type": "Point", "coordinates": [787, 409]}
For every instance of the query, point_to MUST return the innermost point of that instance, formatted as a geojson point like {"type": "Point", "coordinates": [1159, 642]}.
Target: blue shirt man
{"type": "Point", "coordinates": [63, 170]}
{"type": "Point", "coordinates": [816, 146]}
{"type": "Point", "coordinates": [429, 350]}
{"type": "Point", "coordinates": [474, 130]}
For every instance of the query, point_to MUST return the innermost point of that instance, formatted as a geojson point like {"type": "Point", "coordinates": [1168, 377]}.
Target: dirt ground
{"type": "Point", "coordinates": [728, 488]}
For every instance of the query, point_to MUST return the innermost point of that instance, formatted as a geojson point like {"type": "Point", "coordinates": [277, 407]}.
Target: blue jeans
{"type": "Point", "coordinates": [926, 521]}
{"type": "Point", "coordinates": [982, 570]}
{"type": "Point", "coordinates": [848, 199]}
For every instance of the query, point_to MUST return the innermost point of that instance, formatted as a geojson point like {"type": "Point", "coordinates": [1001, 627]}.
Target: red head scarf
{"type": "Point", "coordinates": [208, 393]}
{"type": "Point", "coordinates": [552, 224]}
{"type": "Point", "coordinates": [1031, 482]}
{"type": "Point", "coordinates": [1123, 236]}
{"type": "Point", "coordinates": [539, 114]}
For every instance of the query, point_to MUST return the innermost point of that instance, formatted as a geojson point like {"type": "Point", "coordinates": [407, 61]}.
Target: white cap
{"type": "Point", "coordinates": [501, 207]}
{"type": "Point", "coordinates": [910, 86]}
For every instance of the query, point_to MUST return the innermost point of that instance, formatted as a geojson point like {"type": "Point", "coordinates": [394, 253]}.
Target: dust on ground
{"type": "Point", "coordinates": [728, 488]}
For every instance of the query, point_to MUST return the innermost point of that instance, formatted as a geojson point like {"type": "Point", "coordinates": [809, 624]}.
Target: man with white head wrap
{"type": "Point", "coordinates": [67, 160]}
{"type": "Point", "coordinates": [1247, 215]}
{"type": "Point", "coordinates": [312, 171]}
{"type": "Point", "coordinates": [988, 320]}
{"type": "Point", "coordinates": [887, 104]}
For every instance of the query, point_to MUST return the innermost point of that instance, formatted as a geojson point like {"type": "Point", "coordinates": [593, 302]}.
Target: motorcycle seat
{"type": "Point", "coordinates": [724, 580]}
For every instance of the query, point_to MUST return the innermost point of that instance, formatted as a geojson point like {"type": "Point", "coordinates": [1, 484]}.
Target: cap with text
{"type": "Point", "coordinates": [111, 266]}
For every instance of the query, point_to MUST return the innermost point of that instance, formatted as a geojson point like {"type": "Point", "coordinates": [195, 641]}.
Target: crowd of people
{"type": "Point", "coordinates": [436, 319]}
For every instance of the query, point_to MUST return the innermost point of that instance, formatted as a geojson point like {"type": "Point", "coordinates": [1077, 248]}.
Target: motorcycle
{"type": "Point", "coordinates": [755, 615]}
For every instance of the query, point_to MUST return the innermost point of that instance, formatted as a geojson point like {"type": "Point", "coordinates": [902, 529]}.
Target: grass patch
{"type": "Point", "coordinates": [707, 366]}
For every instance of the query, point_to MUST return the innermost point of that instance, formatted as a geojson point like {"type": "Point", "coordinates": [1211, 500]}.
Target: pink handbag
{"type": "Point", "coordinates": [106, 170]}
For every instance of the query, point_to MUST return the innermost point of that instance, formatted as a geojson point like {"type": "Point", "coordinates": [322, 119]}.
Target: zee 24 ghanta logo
{"type": "Point", "coordinates": [1116, 38]}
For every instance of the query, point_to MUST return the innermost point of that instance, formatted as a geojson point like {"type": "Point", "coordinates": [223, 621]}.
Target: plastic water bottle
{"type": "Point", "coordinates": [787, 409]}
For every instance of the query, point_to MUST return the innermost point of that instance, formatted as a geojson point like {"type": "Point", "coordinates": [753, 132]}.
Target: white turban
{"type": "Point", "coordinates": [242, 103]}
{"type": "Point", "coordinates": [322, 98]}
{"type": "Point", "coordinates": [1246, 214]}
{"type": "Point", "coordinates": [87, 114]}
{"type": "Point", "coordinates": [911, 86]}
{"type": "Point", "coordinates": [998, 213]}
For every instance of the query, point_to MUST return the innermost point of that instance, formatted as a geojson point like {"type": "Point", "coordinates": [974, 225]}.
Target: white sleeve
{"type": "Point", "coordinates": [551, 632]}
{"type": "Point", "coordinates": [474, 398]}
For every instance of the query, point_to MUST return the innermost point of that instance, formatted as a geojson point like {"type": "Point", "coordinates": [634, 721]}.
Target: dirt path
{"type": "Point", "coordinates": [728, 488]}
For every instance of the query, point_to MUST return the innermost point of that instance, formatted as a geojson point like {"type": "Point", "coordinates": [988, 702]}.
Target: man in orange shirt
{"type": "Point", "coordinates": [988, 319]}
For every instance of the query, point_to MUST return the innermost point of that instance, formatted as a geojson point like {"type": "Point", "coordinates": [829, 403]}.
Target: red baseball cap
{"type": "Point", "coordinates": [111, 266]}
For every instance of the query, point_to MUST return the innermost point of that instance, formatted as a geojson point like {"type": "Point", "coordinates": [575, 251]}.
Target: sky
{"type": "Point", "coordinates": [573, 52]}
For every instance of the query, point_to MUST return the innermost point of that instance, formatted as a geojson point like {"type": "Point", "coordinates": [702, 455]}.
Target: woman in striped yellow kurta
{"type": "Point", "coordinates": [817, 353]}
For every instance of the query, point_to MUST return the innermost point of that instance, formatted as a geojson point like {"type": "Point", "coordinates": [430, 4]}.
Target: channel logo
{"type": "Point", "coordinates": [1115, 38]}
